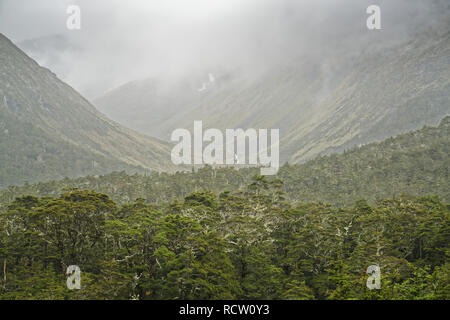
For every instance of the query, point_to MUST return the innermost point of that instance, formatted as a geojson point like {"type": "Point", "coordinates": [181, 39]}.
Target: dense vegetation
{"type": "Point", "coordinates": [221, 233]}
{"type": "Point", "coordinates": [415, 163]}
{"type": "Point", "coordinates": [251, 244]}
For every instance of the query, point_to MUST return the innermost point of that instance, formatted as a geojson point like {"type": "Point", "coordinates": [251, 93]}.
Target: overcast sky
{"type": "Point", "coordinates": [120, 40]}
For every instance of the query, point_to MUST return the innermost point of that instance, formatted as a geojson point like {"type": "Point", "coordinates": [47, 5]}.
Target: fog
{"type": "Point", "coordinates": [121, 41]}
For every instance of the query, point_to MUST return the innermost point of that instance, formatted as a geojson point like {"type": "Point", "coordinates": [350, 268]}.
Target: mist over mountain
{"type": "Point", "coordinates": [49, 131]}
{"type": "Point", "coordinates": [51, 51]}
{"type": "Point", "coordinates": [350, 92]}
{"type": "Point", "coordinates": [310, 68]}
{"type": "Point", "coordinates": [170, 40]}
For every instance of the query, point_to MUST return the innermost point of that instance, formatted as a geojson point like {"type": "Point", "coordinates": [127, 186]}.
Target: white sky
{"type": "Point", "coordinates": [124, 40]}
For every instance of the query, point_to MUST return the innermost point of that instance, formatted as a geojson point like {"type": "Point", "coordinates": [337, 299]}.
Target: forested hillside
{"type": "Point", "coordinates": [248, 245]}
{"type": "Point", "coordinates": [415, 163]}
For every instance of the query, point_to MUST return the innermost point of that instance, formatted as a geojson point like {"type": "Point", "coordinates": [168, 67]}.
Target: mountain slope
{"type": "Point", "coordinates": [156, 102]}
{"type": "Point", "coordinates": [384, 95]}
{"type": "Point", "coordinates": [415, 163]}
{"type": "Point", "coordinates": [321, 106]}
{"type": "Point", "coordinates": [49, 131]}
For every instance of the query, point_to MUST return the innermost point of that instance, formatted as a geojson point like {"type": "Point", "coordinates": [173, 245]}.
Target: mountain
{"type": "Point", "coordinates": [415, 163]}
{"type": "Point", "coordinates": [320, 104]}
{"type": "Point", "coordinates": [156, 102]}
{"type": "Point", "coordinates": [49, 131]}
{"type": "Point", "coordinates": [50, 52]}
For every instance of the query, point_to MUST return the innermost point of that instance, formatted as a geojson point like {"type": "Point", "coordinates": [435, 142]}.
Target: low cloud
{"type": "Point", "coordinates": [120, 41]}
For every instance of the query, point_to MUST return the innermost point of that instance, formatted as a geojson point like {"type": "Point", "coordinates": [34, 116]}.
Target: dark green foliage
{"type": "Point", "coordinates": [415, 163]}
{"type": "Point", "coordinates": [308, 233]}
{"type": "Point", "coordinates": [251, 244]}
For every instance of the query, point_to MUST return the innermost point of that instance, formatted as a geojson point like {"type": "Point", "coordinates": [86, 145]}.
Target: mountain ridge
{"type": "Point", "coordinates": [61, 122]}
{"type": "Point", "coordinates": [320, 107]}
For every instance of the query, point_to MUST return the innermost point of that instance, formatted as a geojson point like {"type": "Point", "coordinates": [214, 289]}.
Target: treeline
{"type": "Point", "coordinates": [415, 163]}
{"type": "Point", "coordinates": [249, 244]}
